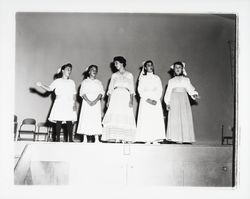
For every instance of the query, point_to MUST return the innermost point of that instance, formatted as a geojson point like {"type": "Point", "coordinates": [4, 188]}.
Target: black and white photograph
{"type": "Point", "coordinates": [118, 100]}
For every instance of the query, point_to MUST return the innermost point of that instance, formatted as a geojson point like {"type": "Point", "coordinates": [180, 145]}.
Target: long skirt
{"type": "Point", "coordinates": [150, 123]}
{"type": "Point", "coordinates": [180, 121]}
{"type": "Point", "coordinates": [90, 119]}
{"type": "Point", "coordinates": [119, 120]}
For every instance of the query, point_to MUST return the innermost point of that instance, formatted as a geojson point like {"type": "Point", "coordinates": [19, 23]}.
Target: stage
{"type": "Point", "coordinates": [48, 163]}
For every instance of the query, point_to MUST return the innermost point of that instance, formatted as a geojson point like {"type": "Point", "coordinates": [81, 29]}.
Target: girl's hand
{"type": "Point", "coordinates": [130, 104]}
{"type": "Point", "coordinates": [39, 84]}
{"type": "Point", "coordinates": [90, 103]}
{"type": "Point", "coordinates": [74, 107]}
{"type": "Point", "coordinates": [168, 107]}
{"type": "Point", "coordinates": [152, 102]}
{"type": "Point", "coordinates": [195, 96]}
{"type": "Point", "coordinates": [93, 103]}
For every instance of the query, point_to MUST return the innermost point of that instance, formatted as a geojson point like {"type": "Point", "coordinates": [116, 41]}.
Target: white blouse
{"type": "Point", "coordinates": [179, 82]}
{"type": "Point", "coordinates": [64, 88]}
{"type": "Point", "coordinates": [92, 88]}
{"type": "Point", "coordinates": [119, 80]}
{"type": "Point", "coordinates": [150, 86]}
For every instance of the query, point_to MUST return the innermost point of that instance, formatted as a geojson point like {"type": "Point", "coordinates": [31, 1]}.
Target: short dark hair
{"type": "Point", "coordinates": [120, 59]}
{"type": "Point", "coordinates": [66, 65]}
{"type": "Point", "coordinates": [178, 63]}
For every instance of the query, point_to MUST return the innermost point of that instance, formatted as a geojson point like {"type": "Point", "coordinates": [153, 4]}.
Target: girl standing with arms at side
{"type": "Point", "coordinates": [91, 92]}
{"type": "Point", "coordinates": [64, 107]}
{"type": "Point", "coordinates": [180, 121]}
{"type": "Point", "coordinates": [150, 123]}
{"type": "Point", "coordinates": [119, 121]}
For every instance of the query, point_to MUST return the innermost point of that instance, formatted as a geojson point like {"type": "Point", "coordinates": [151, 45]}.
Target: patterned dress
{"type": "Point", "coordinates": [119, 120]}
{"type": "Point", "coordinates": [90, 116]}
{"type": "Point", "coordinates": [180, 121]}
{"type": "Point", "coordinates": [150, 123]}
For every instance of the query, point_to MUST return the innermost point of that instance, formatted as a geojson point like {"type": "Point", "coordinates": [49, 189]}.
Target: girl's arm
{"type": "Point", "coordinates": [83, 91]}
{"type": "Point", "coordinates": [101, 92]}
{"type": "Point", "coordinates": [132, 91]}
{"type": "Point", "coordinates": [97, 99]}
{"type": "Point", "coordinates": [108, 100]}
{"type": "Point", "coordinates": [131, 101]}
{"type": "Point", "coordinates": [111, 85]}
{"type": "Point", "coordinates": [84, 96]}
{"type": "Point", "coordinates": [168, 95]}
{"type": "Point", "coordinates": [47, 88]}
{"type": "Point", "coordinates": [74, 106]}
{"type": "Point", "coordinates": [191, 90]}
{"type": "Point", "coordinates": [158, 92]}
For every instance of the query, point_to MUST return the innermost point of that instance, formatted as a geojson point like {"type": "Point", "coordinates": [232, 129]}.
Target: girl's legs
{"type": "Point", "coordinates": [69, 131]}
{"type": "Point", "coordinates": [85, 138]}
{"type": "Point", "coordinates": [58, 131]}
{"type": "Point", "coordinates": [97, 139]}
{"type": "Point", "coordinates": [155, 142]}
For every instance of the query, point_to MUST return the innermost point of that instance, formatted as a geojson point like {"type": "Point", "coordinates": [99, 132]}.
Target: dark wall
{"type": "Point", "coordinates": [45, 41]}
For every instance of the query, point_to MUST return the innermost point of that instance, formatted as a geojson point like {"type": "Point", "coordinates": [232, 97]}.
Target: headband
{"type": "Point", "coordinates": [183, 69]}
{"type": "Point", "coordinates": [59, 70]}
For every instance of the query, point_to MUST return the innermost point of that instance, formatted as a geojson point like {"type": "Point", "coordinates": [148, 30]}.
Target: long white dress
{"type": "Point", "coordinates": [180, 120]}
{"type": "Point", "coordinates": [63, 107]}
{"type": "Point", "coordinates": [119, 120]}
{"type": "Point", "coordinates": [150, 123]}
{"type": "Point", "coordinates": [90, 116]}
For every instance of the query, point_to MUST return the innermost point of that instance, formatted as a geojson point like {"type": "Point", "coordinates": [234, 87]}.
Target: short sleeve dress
{"type": "Point", "coordinates": [180, 120]}
{"type": "Point", "coordinates": [119, 120]}
{"type": "Point", "coordinates": [90, 116]}
{"type": "Point", "coordinates": [63, 107]}
{"type": "Point", "coordinates": [150, 123]}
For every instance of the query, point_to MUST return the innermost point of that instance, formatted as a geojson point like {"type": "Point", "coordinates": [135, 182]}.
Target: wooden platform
{"type": "Point", "coordinates": [123, 164]}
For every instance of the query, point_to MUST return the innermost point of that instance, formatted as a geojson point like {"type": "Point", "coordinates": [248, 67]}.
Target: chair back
{"type": "Point", "coordinates": [42, 127]}
{"type": "Point", "coordinates": [15, 126]}
{"type": "Point", "coordinates": [42, 133]}
{"type": "Point", "coordinates": [27, 129]}
{"type": "Point", "coordinates": [29, 121]}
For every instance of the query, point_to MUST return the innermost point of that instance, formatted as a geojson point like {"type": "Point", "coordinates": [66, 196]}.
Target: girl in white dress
{"type": "Point", "coordinates": [119, 121]}
{"type": "Point", "coordinates": [180, 122]}
{"type": "Point", "coordinates": [90, 117]}
{"type": "Point", "coordinates": [150, 123]}
{"type": "Point", "coordinates": [64, 107]}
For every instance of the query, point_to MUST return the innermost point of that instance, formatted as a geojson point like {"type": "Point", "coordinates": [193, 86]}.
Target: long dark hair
{"type": "Point", "coordinates": [145, 65]}
{"type": "Point", "coordinates": [59, 73]}
{"type": "Point", "coordinates": [86, 72]}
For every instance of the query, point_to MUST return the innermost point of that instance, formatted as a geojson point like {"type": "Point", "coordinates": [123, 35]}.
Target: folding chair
{"type": "Point", "coordinates": [42, 133]}
{"type": "Point", "coordinates": [15, 126]}
{"type": "Point", "coordinates": [27, 130]}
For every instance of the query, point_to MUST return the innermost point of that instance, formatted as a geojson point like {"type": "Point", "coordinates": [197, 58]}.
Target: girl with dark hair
{"type": "Point", "coordinates": [64, 107]}
{"type": "Point", "coordinates": [180, 121]}
{"type": "Point", "coordinates": [90, 116]}
{"type": "Point", "coordinates": [150, 108]}
{"type": "Point", "coordinates": [119, 121]}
